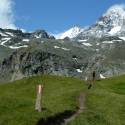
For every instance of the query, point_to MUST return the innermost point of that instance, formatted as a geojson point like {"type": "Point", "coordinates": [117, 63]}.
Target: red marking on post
{"type": "Point", "coordinates": [40, 88]}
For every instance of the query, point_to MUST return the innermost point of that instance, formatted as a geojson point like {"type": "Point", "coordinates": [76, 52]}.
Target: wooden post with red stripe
{"type": "Point", "coordinates": [38, 106]}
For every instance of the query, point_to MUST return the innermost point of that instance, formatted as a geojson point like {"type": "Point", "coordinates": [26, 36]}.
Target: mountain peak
{"type": "Point", "coordinates": [71, 33]}
{"type": "Point", "coordinates": [114, 16]}
{"type": "Point", "coordinates": [116, 13]}
{"type": "Point", "coordinates": [111, 23]}
{"type": "Point", "coordinates": [116, 9]}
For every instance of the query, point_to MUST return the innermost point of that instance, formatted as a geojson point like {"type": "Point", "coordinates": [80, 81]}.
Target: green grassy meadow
{"type": "Point", "coordinates": [104, 105]}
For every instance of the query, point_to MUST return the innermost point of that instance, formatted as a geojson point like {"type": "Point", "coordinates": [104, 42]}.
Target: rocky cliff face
{"type": "Point", "coordinates": [25, 63]}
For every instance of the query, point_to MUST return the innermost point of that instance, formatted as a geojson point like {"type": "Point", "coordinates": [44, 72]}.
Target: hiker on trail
{"type": "Point", "coordinates": [93, 75]}
{"type": "Point", "coordinates": [91, 79]}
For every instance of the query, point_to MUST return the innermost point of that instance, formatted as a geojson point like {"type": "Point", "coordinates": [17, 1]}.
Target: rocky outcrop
{"type": "Point", "coordinates": [26, 63]}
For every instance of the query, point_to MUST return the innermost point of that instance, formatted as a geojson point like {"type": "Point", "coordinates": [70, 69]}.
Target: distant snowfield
{"type": "Point", "coordinates": [4, 40]}
{"type": "Point", "coordinates": [87, 44]}
{"type": "Point", "coordinates": [79, 70]}
{"type": "Point", "coordinates": [97, 50]}
{"type": "Point", "coordinates": [123, 38]}
{"type": "Point", "coordinates": [2, 34]}
{"type": "Point", "coordinates": [37, 36]}
{"type": "Point", "coordinates": [102, 77]}
{"type": "Point", "coordinates": [115, 30]}
{"type": "Point", "coordinates": [65, 49]}
{"type": "Point", "coordinates": [107, 42]}
{"type": "Point", "coordinates": [11, 34]}
{"type": "Point", "coordinates": [17, 47]}
{"type": "Point", "coordinates": [42, 41]}
{"type": "Point", "coordinates": [57, 47]}
{"type": "Point", "coordinates": [117, 40]}
{"type": "Point", "coordinates": [113, 41]}
{"type": "Point", "coordinates": [26, 40]}
{"type": "Point", "coordinates": [84, 40]}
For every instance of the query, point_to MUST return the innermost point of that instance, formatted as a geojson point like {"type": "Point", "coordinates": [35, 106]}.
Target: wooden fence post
{"type": "Point", "coordinates": [38, 106]}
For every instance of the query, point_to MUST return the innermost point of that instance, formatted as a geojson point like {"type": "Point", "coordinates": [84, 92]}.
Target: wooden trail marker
{"type": "Point", "coordinates": [38, 106]}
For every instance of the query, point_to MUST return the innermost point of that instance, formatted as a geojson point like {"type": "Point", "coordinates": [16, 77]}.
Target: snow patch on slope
{"type": "Point", "coordinates": [123, 38]}
{"type": "Point", "coordinates": [4, 40]}
{"type": "Point", "coordinates": [2, 34]}
{"type": "Point", "coordinates": [108, 42]}
{"type": "Point", "coordinates": [26, 40]}
{"type": "Point", "coordinates": [11, 34]}
{"type": "Point", "coordinates": [102, 77]}
{"type": "Point", "coordinates": [79, 70]}
{"type": "Point", "coordinates": [87, 44]}
{"type": "Point", "coordinates": [37, 36]}
{"type": "Point", "coordinates": [57, 47]}
{"type": "Point", "coordinates": [115, 30]}
{"type": "Point", "coordinates": [84, 40]}
{"type": "Point", "coordinates": [65, 49]}
{"type": "Point", "coordinates": [17, 47]}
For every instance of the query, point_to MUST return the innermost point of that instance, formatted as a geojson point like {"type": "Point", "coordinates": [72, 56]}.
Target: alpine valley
{"type": "Point", "coordinates": [74, 53]}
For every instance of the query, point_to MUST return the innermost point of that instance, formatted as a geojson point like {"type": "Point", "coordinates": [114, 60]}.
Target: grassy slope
{"type": "Point", "coordinates": [105, 102]}
{"type": "Point", "coordinates": [17, 100]}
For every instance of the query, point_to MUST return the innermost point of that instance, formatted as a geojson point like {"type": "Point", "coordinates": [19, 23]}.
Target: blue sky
{"type": "Point", "coordinates": [58, 15]}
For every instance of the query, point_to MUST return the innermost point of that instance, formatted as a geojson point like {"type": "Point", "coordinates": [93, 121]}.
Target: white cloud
{"type": "Point", "coordinates": [6, 14]}
{"type": "Point", "coordinates": [118, 6]}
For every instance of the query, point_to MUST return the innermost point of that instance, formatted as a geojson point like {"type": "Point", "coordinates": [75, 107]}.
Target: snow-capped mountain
{"type": "Point", "coordinates": [15, 39]}
{"type": "Point", "coordinates": [111, 23]}
{"type": "Point", "coordinates": [113, 19]}
{"type": "Point", "coordinates": [71, 33]}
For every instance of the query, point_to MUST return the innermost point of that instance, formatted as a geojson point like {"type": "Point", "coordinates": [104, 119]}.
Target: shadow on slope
{"type": "Point", "coordinates": [57, 119]}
